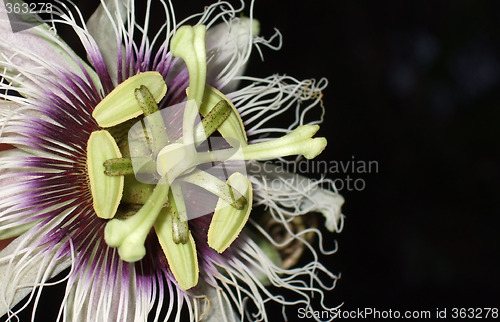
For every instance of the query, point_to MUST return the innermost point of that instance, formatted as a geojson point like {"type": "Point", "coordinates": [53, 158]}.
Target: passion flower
{"type": "Point", "coordinates": [138, 169]}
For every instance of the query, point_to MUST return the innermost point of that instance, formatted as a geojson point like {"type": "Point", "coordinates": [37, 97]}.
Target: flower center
{"type": "Point", "coordinates": [137, 170]}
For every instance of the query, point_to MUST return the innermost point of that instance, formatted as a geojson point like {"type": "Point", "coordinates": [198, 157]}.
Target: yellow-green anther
{"type": "Point", "coordinates": [228, 221]}
{"type": "Point", "coordinates": [130, 234]}
{"type": "Point", "coordinates": [218, 187]}
{"type": "Point", "coordinates": [121, 105]}
{"type": "Point", "coordinates": [212, 121]}
{"type": "Point", "coordinates": [233, 126]}
{"type": "Point", "coordinates": [180, 230]}
{"type": "Point", "coordinates": [118, 167]}
{"type": "Point", "coordinates": [155, 127]}
{"type": "Point", "coordinates": [106, 190]}
{"type": "Point", "coordinates": [297, 142]}
{"type": "Point", "coordinates": [188, 43]}
{"type": "Point", "coordinates": [182, 258]}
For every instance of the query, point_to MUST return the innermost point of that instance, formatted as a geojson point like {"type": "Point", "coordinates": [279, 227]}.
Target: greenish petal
{"type": "Point", "coordinates": [293, 191]}
{"type": "Point", "coordinates": [99, 26]}
{"type": "Point", "coordinates": [44, 45]}
{"type": "Point", "coordinates": [227, 41]}
{"type": "Point", "coordinates": [11, 278]}
{"type": "Point", "coordinates": [17, 230]}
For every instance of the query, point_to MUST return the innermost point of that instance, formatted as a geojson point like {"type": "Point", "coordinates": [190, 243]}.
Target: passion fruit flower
{"type": "Point", "coordinates": [137, 240]}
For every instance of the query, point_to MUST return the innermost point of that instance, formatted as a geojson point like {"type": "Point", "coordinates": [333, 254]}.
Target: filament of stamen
{"type": "Point", "coordinates": [216, 186]}
{"type": "Point", "coordinates": [233, 127]}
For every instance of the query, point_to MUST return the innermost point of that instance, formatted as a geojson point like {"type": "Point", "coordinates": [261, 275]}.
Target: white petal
{"type": "Point", "coordinates": [266, 99]}
{"type": "Point", "coordinates": [102, 26]}
{"type": "Point", "coordinates": [228, 49]}
{"type": "Point", "coordinates": [22, 267]}
{"type": "Point", "coordinates": [219, 308]}
{"type": "Point", "coordinates": [329, 204]}
{"type": "Point", "coordinates": [275, 187]}
{"type": "Point", "coordinates": [105, 288]}
{"type": "Point", "coordinates": [34, 49]}
{"type": "Point", "coordinates": [7, 108]}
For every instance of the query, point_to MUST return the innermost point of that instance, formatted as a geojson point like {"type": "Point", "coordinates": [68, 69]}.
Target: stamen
{"type": "Point", "coordinates": [216, 186]}
{"type": "Point", "coordinates": [121, 105]}
{"type": "Point", "coordinates": [106, 190]}
{"type": "Point", "coordinates": [188, 43]}
{"type": "Point", "coordinates": [182, 258]}
{"type": "Point", "coordinates": [228, 221]}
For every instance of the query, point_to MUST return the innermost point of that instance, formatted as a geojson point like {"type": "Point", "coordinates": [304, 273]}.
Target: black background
{"type": "Point", "coordinates": [413, 85]}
